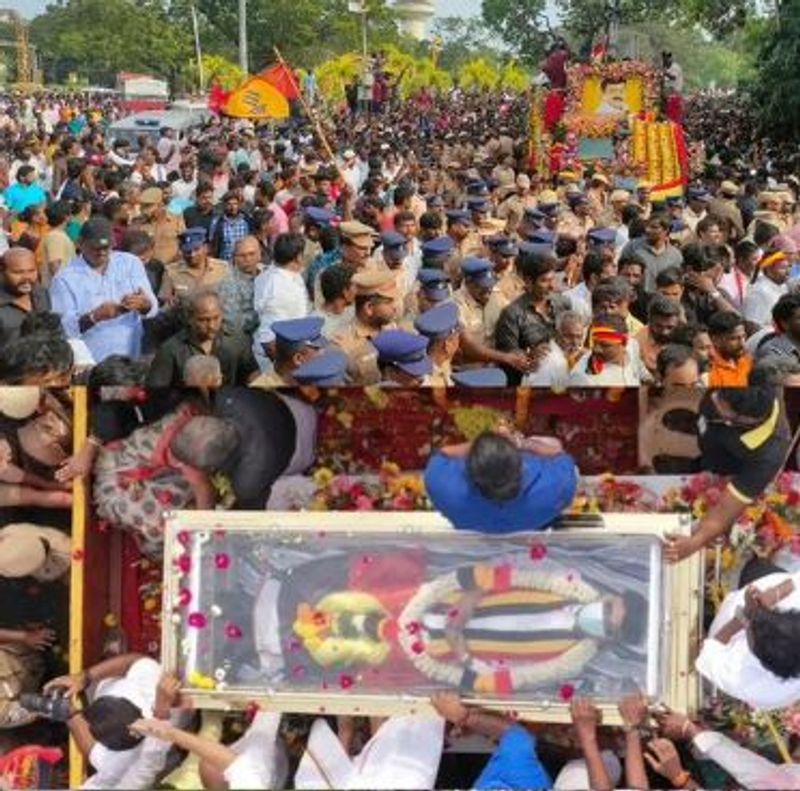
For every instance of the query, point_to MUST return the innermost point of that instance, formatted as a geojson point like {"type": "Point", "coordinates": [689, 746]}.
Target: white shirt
{"type": "Point", "coordinates": [760, 299]}
{"type": "Point", "coordinates": [334, 322]}
{"type": "Point", "coordinates": [629, 375]}
{"type": "Point", "coordinates": [260, 762]}
{"type": "Point", "coordinates": [733, 667]}
{"type": "Point", "coordinates": [184, 189]}
{"type": "Point", "coordinates": [552, 372]}
{"type": "Point", "coordinates": [278, 294]}
{"type": "Point", "coordinates": [747, 768]}
{"type": "Point", "coordinates": [404, 753]}
{"type": "Point", "coordinates": [138, 767]}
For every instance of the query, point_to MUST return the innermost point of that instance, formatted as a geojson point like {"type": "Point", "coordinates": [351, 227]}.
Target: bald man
{"type": "Point", "coordinates": [20, 292]}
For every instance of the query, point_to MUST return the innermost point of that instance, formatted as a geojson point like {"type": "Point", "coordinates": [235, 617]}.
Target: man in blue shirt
{"type": "Point", "coordinates": [26, 192]}
{"type": "Point", "coordinates": [102, 296]}
{"type": "Point", "coordinates": [501, 483]}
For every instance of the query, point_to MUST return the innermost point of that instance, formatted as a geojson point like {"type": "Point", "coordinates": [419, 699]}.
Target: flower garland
{"type": "Point", "coordinates": [411, 635]}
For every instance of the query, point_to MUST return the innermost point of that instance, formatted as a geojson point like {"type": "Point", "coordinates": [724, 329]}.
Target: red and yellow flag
{"type": "Point", "coordinates": [257, 99]}
{"type": "Point", "coordinates": [281, 77]}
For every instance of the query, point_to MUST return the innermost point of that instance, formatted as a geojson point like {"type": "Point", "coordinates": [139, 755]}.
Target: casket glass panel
{"type": "Point", "coordinates": [312, 611]}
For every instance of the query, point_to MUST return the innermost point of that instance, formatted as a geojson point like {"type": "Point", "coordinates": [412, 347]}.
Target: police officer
{"type": "Point", "coordinates": [327, 369]}
{"type": "Point", "coordinates": [434, 289]}
{"type": "Point", "coordinates": [394, 249]}
{"type": "Point", "coordinates": [440, 326]}
{"type": "Point", "coordinates": [296, 342]}
{"type": "Point", "coordinates": [486, 376]}
{"type": "Point", "coordinates": [478, 302]}
{"type": "Point", "coordinates": [196, 269]}
{"type": "Point", "coordinates": [402, 358]}
{"type": "Point", "coordinates": [503, 255]}
{"type": "Point", "coordinates": [375, 310]}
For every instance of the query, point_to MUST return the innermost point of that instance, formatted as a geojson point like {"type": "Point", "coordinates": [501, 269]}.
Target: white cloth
{"type": "Point", "coordinates": [760, 299]}
{"type": "Point", "coordinates": [261, 760]}
{"type": "Point", "coordinates": [278, 294]}
{"type": "Point", "coordinates": [733, 667]}
{"type": "Point", "coordinates": [632, 374]}
{"type": "Point", "coordinates": [305, 448]}
{"type": "Point", "coordinates": [747, 768]}
{"type": "Point", "coordinates": [575, 774]}
{"type": "Point", "coordinates": [404, 753]}
{"type": "Point", "coordinates": [552, 372]}
{"type": "Point", "coordinates": [184, 189]}
{"type": "Point", "coordinates": [138, 767]}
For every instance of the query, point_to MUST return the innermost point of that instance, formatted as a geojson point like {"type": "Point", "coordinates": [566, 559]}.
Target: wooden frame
{"type": "Point", "coordinates": [77, 579]}
{"type": "Point", "coordinates": [683, 584]}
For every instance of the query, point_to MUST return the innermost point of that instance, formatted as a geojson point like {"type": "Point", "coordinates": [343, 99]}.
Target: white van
{"type": "Point", "coordinates": [182, 119]}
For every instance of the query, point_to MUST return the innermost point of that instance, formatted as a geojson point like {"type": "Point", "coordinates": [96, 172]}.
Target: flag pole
{"type": "Point", "coordinates": [309, 112]}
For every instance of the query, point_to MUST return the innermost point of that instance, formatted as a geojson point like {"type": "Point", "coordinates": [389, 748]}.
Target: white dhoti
{"type": "Point", "coordinates": [403, 754]}
{"type": "Point", "coordinates": [261, 760]}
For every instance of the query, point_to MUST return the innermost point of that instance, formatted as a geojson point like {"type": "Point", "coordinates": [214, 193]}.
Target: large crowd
{"type": "Point", "coordinates": [422, 250]}
{"type": "Point", "coordinates": [428, 250]}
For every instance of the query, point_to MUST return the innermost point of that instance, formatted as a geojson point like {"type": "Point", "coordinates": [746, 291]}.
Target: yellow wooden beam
{"type": "Point", "coordinates": [78, 568]}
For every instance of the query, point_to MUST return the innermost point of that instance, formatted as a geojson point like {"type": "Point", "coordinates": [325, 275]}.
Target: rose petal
{"type": "Point", "coordinates": [537, 551]}
{"type": "Point", "coordinates": [222, 560]}
{"type": "Point", "coordinates": [197, 620]}
{"type": "Point", "coordinates": [566, 691]}
{"type": "Point", "coordinates": [185, 563]}
{"type": "Point", "coordinates": [418, 647]}
{"type": "Point", "coordinates": [345, 681]}
{"type": "Point", "coordinates": [183, 537]}
{"type": "Point", "coordinates": [184, 597]}
{"type": "Point", "coordinates": [232, 631]}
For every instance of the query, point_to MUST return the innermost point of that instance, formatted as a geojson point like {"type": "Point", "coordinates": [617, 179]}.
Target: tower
{"type": "Point", "coordinates": [414, 16]}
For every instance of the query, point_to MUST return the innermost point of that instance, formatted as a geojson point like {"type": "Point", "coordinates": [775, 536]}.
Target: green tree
{"type": "Point", "coordinates": [462, 40]}
{"type": "Point", "coordinates": [522, 25]}
{"type": "Point", "coordinates": [99, 38]}
{"type": "Point", "coordinates": [478, 74]}
{"type": "Point", "coordinates": [776, 86]}
{"type": "Point", "coordinates": [308, 32]}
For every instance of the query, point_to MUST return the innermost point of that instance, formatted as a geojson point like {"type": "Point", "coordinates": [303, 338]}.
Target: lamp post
{"type": "Point", "coordinates": [243, 35]}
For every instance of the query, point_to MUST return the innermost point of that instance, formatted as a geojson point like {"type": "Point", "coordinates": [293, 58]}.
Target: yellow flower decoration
{"type": "Point", "coordinates": [201, 681]}
{"type": "Point", "coordinates": [323, 476]}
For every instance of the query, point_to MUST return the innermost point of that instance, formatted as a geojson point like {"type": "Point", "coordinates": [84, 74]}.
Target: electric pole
{"type": "Point", "coordinates": [243, 36]}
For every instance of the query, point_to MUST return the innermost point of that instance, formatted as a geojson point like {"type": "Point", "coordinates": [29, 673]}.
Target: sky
{"type": "Point", "coordinates": [29, 8]}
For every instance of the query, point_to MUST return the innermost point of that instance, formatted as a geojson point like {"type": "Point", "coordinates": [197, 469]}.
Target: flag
{"type": "Point", "coordinates": [217, 97]}
{"type": "Point", "coordinates": [600, 50]}
{"type": "Point", "coordinates": [282, 78]}
{"type": "Point", "coordinates": [257, 99]}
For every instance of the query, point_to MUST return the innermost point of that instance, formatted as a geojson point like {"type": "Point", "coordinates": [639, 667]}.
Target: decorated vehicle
{"type": "Point", "coordinates": [608, 117]}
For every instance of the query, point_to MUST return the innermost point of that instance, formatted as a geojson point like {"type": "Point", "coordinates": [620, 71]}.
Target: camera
{"type": "Point", "coordinates": [55, 706]}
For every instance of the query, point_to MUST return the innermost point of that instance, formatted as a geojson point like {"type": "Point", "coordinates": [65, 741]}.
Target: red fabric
{"type": "Point", "coordinates": [502, 579]}
{"type": "Point", "coordinates": [280, 77]}
{"type": "Point", "coordinates": [217, 97]}
{"type": "Point", "coordinates": [553, 109]}
{"type": "Point", "coordinates": [502, 682]}
{"type": "Point", "coordinates": [674, 108]}
{"type": "Point", "coordinates": [682, 149]}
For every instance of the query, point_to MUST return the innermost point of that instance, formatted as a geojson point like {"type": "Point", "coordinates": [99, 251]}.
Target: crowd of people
{"type": "Point", "coordinates": [427, 253]}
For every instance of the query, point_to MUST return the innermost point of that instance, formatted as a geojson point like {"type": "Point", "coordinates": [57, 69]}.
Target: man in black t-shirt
{"type": "Point", "coordinates": [744, 436]}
